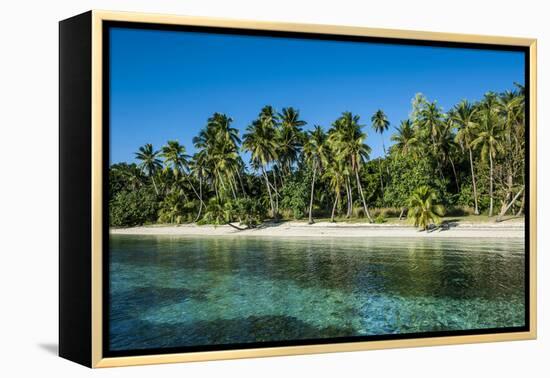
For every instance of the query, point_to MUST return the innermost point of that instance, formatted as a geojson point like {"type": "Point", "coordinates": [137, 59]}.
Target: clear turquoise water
{"type": "Point", "coordinates": [190, 291]}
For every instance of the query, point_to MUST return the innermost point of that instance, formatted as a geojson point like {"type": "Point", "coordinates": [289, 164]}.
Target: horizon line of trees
{"type": "Point", "coordinates": [470, 157]}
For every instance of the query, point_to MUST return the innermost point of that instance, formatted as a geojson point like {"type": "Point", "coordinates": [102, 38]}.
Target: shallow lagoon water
{"type": "Point", "coordinates": [172, 291]}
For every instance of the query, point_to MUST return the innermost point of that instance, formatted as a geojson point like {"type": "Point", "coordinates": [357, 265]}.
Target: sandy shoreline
{"type": "Point", "coordinates": [326, 229]}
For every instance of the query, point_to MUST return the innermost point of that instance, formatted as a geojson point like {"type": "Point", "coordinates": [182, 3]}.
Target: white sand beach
{"type": "Point", "coordinates": [508, 229]}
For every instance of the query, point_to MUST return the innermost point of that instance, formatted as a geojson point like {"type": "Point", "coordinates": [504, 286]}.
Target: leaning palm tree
{"type": "Point", "coordinates": [488, 141]}
{"type": "Point", "coordinates": [423, 210]}
{"type": "Point", "coordinates": [260, 142]}
{"type": "Point", "coordinates": [150, 163]}
{"type": "Point", "coordinates": [316, 152]}
{"type": "Point", "coordinates": [380, 124]}
{"type": "Point", "coordinates": [463, 116]}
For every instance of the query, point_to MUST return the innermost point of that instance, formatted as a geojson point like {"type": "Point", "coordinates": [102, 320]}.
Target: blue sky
{"type": "Point", "coordinates": [165, 84]}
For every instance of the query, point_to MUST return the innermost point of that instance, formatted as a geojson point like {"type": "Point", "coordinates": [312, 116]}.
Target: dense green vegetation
{"type": "Point", "coordinates": [469, 159]}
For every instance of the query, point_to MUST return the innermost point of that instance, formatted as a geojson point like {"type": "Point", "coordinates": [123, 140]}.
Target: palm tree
{"type": "Point", "coordinates": [487, 140]}
{"type": "Point", "coordinates": [429, 126]}
{"type": "Point", "coordinates": [430, 120]}
{"type": "Point", "coordinates": [316, 154]}
{"type": "Point", "coordinates": [217, 213]}
{"type": "Point", "coordinates": [199, 169]}
{"type": "Point", "coordinates": [218, 143]}
{"type": "Point", "coordinates": [150, 164]}
{"type": "Point", "coordinates": [490, 103]}
{"type": "Point", "coordinates": [269, 117]}
{"type": "Point", "coordinates": [335, 138]}
{"type": "Point", "coordinates": [337, 179]}
{"type": "Point", "coordinates": [405, 139]}
{"type": "Point", "coordinates": [463, 116]}
{"type": "Point", "coordinates": [512, 111]}
{"type": "Point", "coordinates": [289, 137]}
{"type": "Point", "coordinates": [446, 148]}
{"type": "Point", "coordinates": [221, 125]}
{"type": "Point", "coordinates": [380, 124]}
{"type": "Point", "coordinates": [422, 208]}
{"type": "Point", "coordinates": [175, 158]}
{"type": "Point", "coordinates": [348, 139]}
{"type": "Point", "coordinates": [132, 174]}
{"type": "Point", "coordinates": [260, 142]}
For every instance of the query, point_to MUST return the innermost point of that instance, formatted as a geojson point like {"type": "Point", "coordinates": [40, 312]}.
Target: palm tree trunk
{"type": "Point", "coordinates": [334, 206]}
{"type": "Point", "coordinates": [289, 168]}
{"type": "Point", "coordinates": [440, 169]}
{"type": "Point", "coordinates": [311, 196]}
{"type": "Point", "coordinates": [269, 192]}
{"type": "Point", "coordinates": [237, 227]}
{"type": "Point", "coordinates": [276, 191]}
{"type": "Point", "coordinates": [509, 191]}
{"type": "Point", "coordinates": [402, 212]}
{"type": "Point", "coordinates": [193, 187]}
{"type": "Point", "coordinates": [349, 196]}
{"type": "Point", "coordinates": [381, 181]}
{"type": "Point", "coordinates": [385, 154]}
{"type": "Point", "coordinates": [476, 209]}
{"type": "Point", "coordinates": [241, 182]}
{"type": "Point", "coordinates": [522, 206]}
{"type": "Point", "coordinates": [155, 185]}
{"type": "Point", "coordinates": [216, 190]}
{"type": "Point", "coordinates": [505, 208]}
{"type": "Point", "coordinates": [490, 184]}
{"type": "Point", "coordinates": [200, 204]}
{"type": "Point", "coordinates": [220, 179]}
{"type": "Point", "coordinates": [454, 173]}
{"type": "Point", "coordinates": [360, 189]}
{"type": "Point", "coordinates": [232, 189]}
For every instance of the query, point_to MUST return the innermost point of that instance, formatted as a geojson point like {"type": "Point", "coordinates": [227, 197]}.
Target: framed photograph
{"type": "Point", "coordinates": [235, 189]}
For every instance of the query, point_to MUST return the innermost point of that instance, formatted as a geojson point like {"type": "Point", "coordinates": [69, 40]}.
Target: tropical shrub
{"type": "Point", "coordinates": [295, 194]}
{"type": "Point", "coordinates": [217, 213]}
{"type": "Point", "coordinates": [380, 218]}
{"type": "Point", "coordinates": [408, 173]}
{"type": "Point", "coordinates": [247, 211]}
{"type": "Point", "coordinates": [133, 207]}
{"type": "Point", "coordinates": [174, 208]}
{"type": "Point", "coordinates": [424, 208]}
